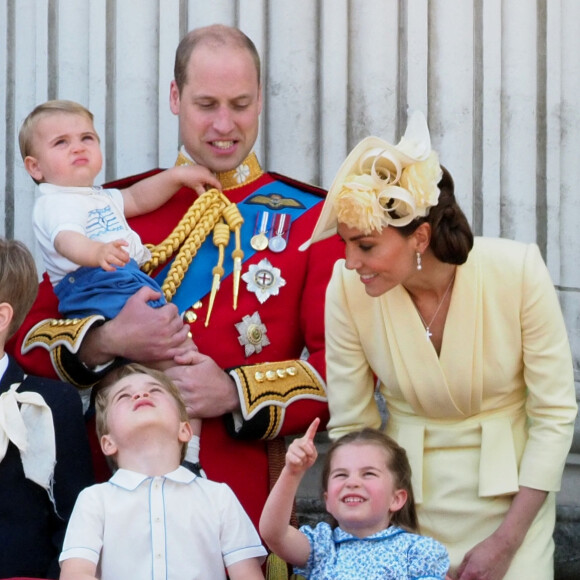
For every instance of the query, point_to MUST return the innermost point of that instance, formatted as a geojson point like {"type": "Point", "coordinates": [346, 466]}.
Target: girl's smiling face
{"type": "Point", "coordinates": [361, 493]}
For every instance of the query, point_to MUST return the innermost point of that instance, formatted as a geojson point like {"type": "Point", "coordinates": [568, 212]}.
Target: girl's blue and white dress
{"type": "Point", "coordinates": [391, 554]}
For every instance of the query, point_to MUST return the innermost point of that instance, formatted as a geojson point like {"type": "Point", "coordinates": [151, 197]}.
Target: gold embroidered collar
{"type": "Point", "coordinates": [249, 170]}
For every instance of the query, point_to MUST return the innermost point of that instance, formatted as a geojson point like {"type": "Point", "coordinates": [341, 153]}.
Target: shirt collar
{"type": "Point", "coordinates": [48, 188]}
{"type": "Point", "coordinates": [131, 480]}
{"type": "Point", "coordinates": [340, 535]}
{"type": "Point", "coordinates": [3, 365]}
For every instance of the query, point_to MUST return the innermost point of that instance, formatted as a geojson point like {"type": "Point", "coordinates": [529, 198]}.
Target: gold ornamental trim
{"type": "Point", "coordinates": [246, 172]}
{"type": "Point", "coordinates": [52, 333]}
{"type": "Point", "coordinates": [275, 386]}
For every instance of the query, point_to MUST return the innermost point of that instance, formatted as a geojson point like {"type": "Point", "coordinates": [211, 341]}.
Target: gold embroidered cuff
{"type": "Point", "coordinates": [272, 387]}
{"type": "Point", "coordinates": [52, 332]}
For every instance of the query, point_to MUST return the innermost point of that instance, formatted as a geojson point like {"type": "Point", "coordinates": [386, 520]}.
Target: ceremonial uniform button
{"type": "Point", "coordinates": [259, 376]}
{"type": "Point", "coordinates": [291, 371]}
{"type": "Point", "coordinates": [281, 373]}
{"type": "Point", "coordinates": [271, 375]}
{"type": "Point", "coordinates": [190, 316]}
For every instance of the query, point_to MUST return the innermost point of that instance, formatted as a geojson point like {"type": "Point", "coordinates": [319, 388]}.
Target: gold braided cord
{"type": "Point", "coordinates": [190, 233]}
{"type": "Point", "coordinates": [235, 220]}
{"type": "Point", "coordinates": [161, 252]}
{"type": "Point", "coordinates": [221, 238]}
{"type": "Point", "coordinates": [188, 251]}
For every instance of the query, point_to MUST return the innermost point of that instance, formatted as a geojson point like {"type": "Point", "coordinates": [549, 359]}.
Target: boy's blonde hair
{"type": "Point", "coordinates": [104, 388]}
{"type": "Point", "coordinates": [18, 280]}
{"type": "Point", "coordinates": [26, 135]}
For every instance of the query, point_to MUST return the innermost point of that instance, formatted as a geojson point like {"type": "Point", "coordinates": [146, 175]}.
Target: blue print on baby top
{"type": "Point", "coordinates": [101, 221]}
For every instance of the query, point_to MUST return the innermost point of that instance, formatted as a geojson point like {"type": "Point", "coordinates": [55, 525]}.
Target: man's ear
{"type": "Point", "coordinates": [185, 432]}
{"type": "Point", "coordinates": [174, 100]}
{"type": "Point", "coordinates": [6, 314]}
{"type": "Point", "coordinates": [108, 446]}
{"type": "Point", "coordinates": [31, 165]}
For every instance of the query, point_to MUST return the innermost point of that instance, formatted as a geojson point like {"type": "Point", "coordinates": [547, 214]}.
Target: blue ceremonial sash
{"type": "Point", "coordinates": [198, 279]}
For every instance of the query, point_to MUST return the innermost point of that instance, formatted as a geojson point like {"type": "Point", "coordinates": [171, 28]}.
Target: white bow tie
{"type": "Point", "coordinates": [31, 429]}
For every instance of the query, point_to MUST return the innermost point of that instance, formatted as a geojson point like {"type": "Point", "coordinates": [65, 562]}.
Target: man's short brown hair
{"type": "Point", "coordinates": [216, 35]}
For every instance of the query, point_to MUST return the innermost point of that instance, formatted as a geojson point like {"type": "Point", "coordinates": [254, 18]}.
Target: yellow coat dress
{"type": "Point", "coordinates": [494, 411]}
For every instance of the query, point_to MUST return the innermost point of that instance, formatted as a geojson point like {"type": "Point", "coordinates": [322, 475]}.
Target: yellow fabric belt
{"type": "Point", "coordinates": [497, 434]}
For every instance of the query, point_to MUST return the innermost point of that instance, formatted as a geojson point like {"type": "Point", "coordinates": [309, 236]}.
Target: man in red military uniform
{"type": "Point", "coordinates": [253, 302]}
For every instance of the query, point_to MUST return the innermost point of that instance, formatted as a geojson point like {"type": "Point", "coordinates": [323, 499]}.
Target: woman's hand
{"type": "Point", "coordinates": [488, 560]}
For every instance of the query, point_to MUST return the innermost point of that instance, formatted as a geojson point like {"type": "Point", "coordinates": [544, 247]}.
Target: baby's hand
{"type": "Point", "coordinates": [187, 353]}
{"type": "Point", "coordinates": [197, 177]}
{"type": "Point", "coordinates": [111, 255]}
{"type": "Point", "coordinates": [302, 452]}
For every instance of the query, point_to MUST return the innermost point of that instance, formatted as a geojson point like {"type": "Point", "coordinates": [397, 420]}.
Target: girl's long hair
{"type": "Point", "coordinates": [397, 463]}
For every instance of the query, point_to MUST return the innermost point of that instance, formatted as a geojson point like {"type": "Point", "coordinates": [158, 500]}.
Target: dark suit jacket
{"type": "Point", "coordinates": [31, 533]}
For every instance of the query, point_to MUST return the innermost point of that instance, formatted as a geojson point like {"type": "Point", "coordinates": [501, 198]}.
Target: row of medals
{"type": "Point", "coordinates": [275, 237]}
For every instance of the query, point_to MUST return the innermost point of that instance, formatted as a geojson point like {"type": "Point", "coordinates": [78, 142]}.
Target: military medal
{"type": "Point", "coordinates": [252, 334]}
{"type": "Point", "coordinates": [280, 228]}
{"type": "Point", "coordinates": [264, 280]}
{"type": "Point", "coordinates": [259, 240]}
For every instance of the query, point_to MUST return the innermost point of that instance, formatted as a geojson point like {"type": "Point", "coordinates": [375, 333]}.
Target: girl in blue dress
{"type": "Point", "coordinates": [367, 489]}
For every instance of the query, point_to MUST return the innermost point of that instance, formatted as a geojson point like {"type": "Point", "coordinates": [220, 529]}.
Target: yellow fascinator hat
{"type": "Point", "coordinates": [380, 184]}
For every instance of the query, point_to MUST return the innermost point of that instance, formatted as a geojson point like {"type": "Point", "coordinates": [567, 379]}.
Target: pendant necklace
{"type": "Point", "coordinates": [428, 333]}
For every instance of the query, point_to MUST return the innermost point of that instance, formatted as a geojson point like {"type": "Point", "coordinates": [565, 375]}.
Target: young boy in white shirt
{"type": "Point", "coordinates": [153, 518]}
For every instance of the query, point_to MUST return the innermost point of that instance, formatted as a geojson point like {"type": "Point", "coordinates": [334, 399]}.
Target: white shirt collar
{"type": "Point", "coordinates": [3, 365]}
{"type": "Point", "coordinates": [131, 480]}
{"type": "Point", "coordinates": [48, 188]}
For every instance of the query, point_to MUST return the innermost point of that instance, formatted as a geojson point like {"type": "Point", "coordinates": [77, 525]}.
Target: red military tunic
{"type": "Point", "coordinates": [278, 398]}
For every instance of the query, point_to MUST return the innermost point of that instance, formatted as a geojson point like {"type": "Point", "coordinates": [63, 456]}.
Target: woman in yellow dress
{"type": "Point", "coordinates": [464, 340]}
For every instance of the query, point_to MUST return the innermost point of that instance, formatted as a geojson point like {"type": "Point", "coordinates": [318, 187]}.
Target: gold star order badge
{"type": "Point", "coordinates": [252, 334]}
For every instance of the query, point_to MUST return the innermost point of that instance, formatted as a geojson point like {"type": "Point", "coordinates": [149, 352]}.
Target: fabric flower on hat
{"type": "Point", "coordinates": [421, 180]}
{"type": "Point", "coordinates": [380, 184]}
{"type": "Point", "coordinates": [389, 187]}
{"type": "Point", "coordinates": [357, 204]}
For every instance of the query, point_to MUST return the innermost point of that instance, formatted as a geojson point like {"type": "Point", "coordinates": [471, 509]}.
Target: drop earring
{"type": "Point", "coordinates": [419, 265]}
